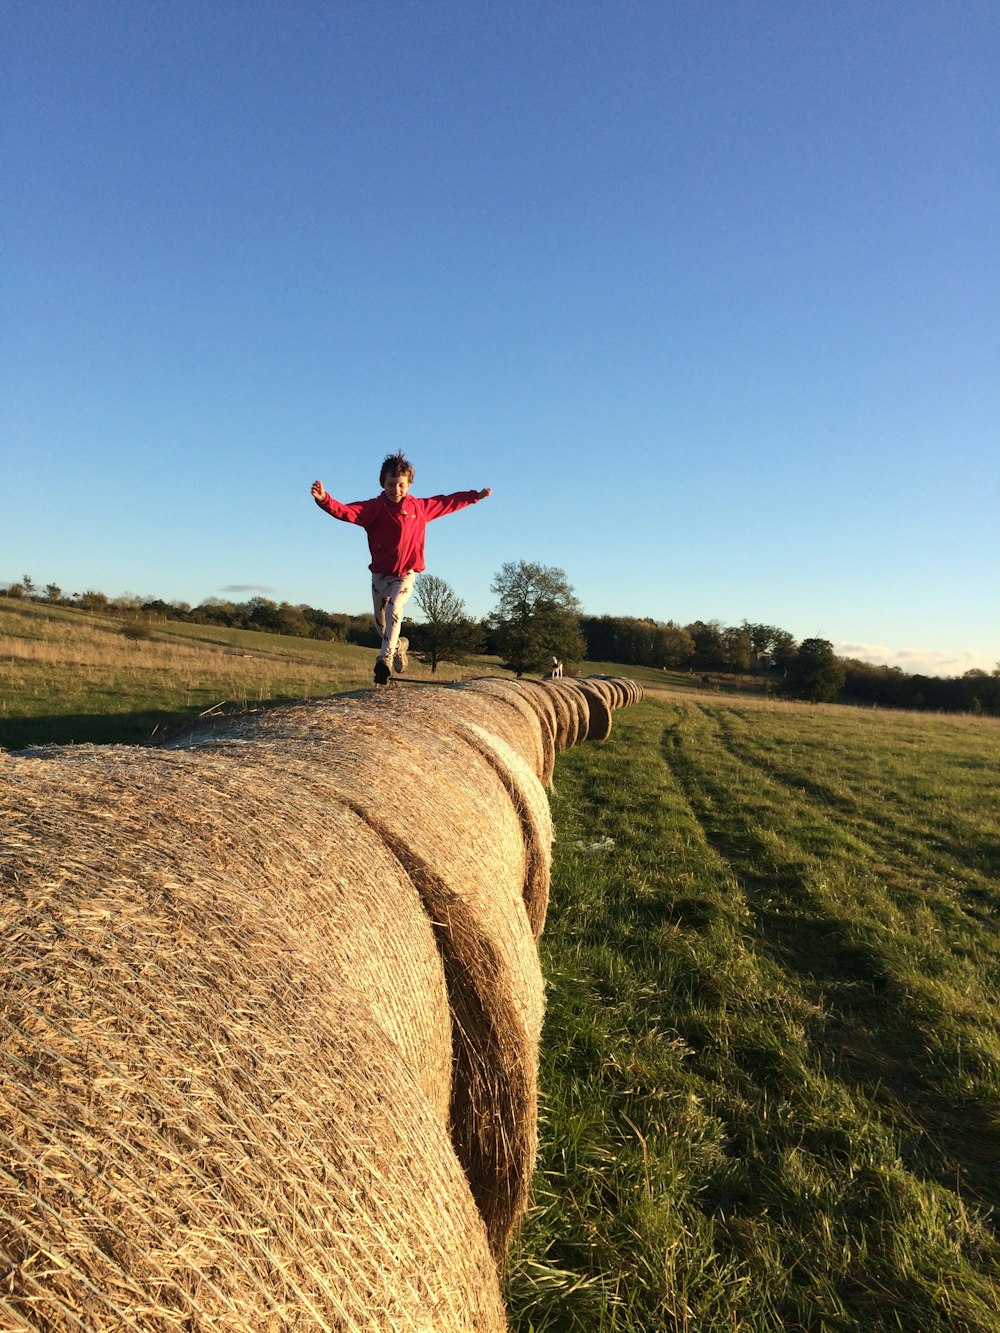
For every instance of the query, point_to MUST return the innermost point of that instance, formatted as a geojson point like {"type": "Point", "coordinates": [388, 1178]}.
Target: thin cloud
{"type": "Point", "coordinates": [916, 661]}
{"type": "Point", "coordinates": [262, 588]}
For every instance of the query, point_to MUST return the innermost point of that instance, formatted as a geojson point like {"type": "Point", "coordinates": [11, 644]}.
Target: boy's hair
{"type": "Point", "coordinates": [397, 465]}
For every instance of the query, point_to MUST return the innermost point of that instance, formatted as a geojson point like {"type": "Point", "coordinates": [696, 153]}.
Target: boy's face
{"type": "Point", "coordinates": [395, 486]}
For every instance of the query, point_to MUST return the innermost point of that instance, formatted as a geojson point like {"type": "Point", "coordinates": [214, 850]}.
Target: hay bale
{"type": "Point", "coordinates": [530, 802]}
{"type": "Point", "coordinates": [257, 980]}
{"type": "Point", "coordinates": [566, 718]}
{"type": "Point", "coordinates": [204, 1123]}
{"type": "Point", "coordinates": [576, 718]}
{"type": "Point", "coordinates": [598, 710]}
{"type": "Point", "coordinates": [416, 783]}
{"type": "Point", "coordinates": [530, 719]}
{"type": "Point", "coordinates": [626, 690]}
{"type": "Point", "coordinates": [613, 688]}
{"type": "Point", "coordinates": [282, 835]}
{"type": "Point", "coordinates": [538, 697]}
{"type": "Point", "coordinates": [581, 701]}
{"type": "Point", "coordinates": [633, 690]}
{"type": "Point", "coordinates": [503, 732]}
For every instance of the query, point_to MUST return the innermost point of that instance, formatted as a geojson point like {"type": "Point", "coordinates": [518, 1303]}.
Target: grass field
{"type": "Point", "coordinates": [771, 1061]}
{"type": "Point", "coordinates": [771, 1064]}
{"type": "Point", "coordinates": [66, 675]}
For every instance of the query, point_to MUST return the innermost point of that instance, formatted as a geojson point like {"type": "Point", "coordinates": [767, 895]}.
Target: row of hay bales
{"type": "Point", "coordinates": [270, 1012]}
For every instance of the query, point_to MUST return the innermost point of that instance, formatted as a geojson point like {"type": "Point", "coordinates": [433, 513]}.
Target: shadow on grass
{"type": "Point", "coordinates": [150, 726]}
{"type": "Point", "coordinates": [143, 727]}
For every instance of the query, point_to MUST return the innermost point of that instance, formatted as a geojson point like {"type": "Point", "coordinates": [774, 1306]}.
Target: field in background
{"type": "Point", "coordinates": [67, 675]}
{"type": "Point", "coordinates": [771, 1060]}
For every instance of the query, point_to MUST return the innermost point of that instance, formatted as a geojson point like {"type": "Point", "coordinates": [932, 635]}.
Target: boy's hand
{"type": "Point", "coordinates": [483, 494]}
{"type": "Point", "coordinates": [317, 490]}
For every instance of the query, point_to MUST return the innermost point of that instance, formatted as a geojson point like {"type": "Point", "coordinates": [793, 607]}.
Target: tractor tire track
{"type": "Point", "coordinates": [873, 1037]}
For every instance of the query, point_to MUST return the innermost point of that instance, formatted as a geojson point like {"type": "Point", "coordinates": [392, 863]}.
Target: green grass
{"type": "Point", "coordinates": [771, 1061]}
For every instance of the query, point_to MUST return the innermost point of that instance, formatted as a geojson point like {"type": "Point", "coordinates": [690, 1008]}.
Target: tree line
{"type": "Point", "coordinates": [538, 617]}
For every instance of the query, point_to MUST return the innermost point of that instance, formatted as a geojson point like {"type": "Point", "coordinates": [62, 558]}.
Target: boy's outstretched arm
{"type": "Point", "coordinates": [481, 495]}
{"type": "Point", "coordinates": [349, 513]}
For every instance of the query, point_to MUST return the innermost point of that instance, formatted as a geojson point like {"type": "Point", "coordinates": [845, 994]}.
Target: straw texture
{"type": "Point", "coordinates": [270, 1022]}
{"type": "Point", "coordinates": [193, 1102]}
{"type": "Point", "coordinates": [415, 781]}
{"type": "Point", "coordinates": [599, 704]}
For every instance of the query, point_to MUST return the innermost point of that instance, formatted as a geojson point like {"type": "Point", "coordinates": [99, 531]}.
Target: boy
{"type": "Point", "coordinates": [395, 523]}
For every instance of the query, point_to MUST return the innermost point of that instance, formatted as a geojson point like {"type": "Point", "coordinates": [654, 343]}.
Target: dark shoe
{"type": "Point", "coordinates": [382, 672]}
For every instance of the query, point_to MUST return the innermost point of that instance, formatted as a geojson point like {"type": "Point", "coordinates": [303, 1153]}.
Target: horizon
{"type": "Point", "coordinates": [910, 661]}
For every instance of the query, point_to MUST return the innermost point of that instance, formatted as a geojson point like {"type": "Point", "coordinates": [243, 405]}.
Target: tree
{"type": "Point", "coordinates": [709, 652]}
{"type": "Point", "coordinates": [447, 634]}
{"type": "Point", "coordinates": [674, 646]}
{"type": "Point", "coordinates": [537, 617]}
{"type": "Point", "coordinates": [264, 615]}
{"type": "Point", "coordinates": [633, 642]}
{"type": "Point", "coordinates": [29, 584]}
{"type": "Point", "coordinates": [736, 648]}
{"type": "Point", "coordinates": [782, 647]}
{"type": "Point", "coordinates": [768, 639]}
{"type": "Point", "coordinates": [814, 673]}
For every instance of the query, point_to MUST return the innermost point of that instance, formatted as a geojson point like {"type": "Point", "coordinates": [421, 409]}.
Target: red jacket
{"type": "Point", "coordinates": [396, 531]}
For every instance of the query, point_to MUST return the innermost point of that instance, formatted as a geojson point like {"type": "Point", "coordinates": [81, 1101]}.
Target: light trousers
{"type": "Point", "coordinates": [390, 593]}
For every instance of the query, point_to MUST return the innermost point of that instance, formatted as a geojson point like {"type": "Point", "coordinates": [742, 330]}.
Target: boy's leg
{"type": "Point", "coordinates": [389, 596]}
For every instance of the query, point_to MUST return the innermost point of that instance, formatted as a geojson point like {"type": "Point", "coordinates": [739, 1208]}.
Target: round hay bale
{"type": "Point", "coordinates": [631, 689]}
{"type": "Point", "coordinates": [579, 702]}
{"type": "Point", "coordinates": [532, 805]}
{"type": "Point", "coordinates": [614, 687]}
{"type": "Point", "coordinates": [535, 694]}
{"type": "Point", "coordinates": [599, 710]}
{"type": "Point", "coordinates": [627, 689]}
{"type": "Point", "coordinates": [566, 724]}
{"type": "Point", "coordinates": [568, 698]}
{"type": "Point", "coordinates": [613, 692]}
{"type": "Point", "coordinates": [447, 816]}
{"type": "Point", "coordinates": [508, 716]}
{"type": "Point", "coordinates": [204, 1125]}
{"type": "Point", "coordinates": [532, 719]}
{"type": "Point", "coordinates": [280, 833]}
{"type": "Point", "coordinates": [506, 732]}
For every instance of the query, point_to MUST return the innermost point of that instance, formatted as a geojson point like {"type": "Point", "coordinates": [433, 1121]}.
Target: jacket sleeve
{"type": "Point", "coordinates": [355, 512]}
{"type": "Point", "coordinates": [435, 506]}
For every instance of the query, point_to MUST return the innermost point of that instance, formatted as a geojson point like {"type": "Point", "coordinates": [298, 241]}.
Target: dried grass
{"type": "Point", "coordinates": [269, 1045]}
{"type": "Point", "coordinates": [415, 781]}
{"type": "Point", "coordinates": [193, 1094]}
{"type": "Point", "coordinates": [600, 701]}
{"type": "Point", "coordinates": [519, 716]}
{"type": "Point", "coordinates": [575, 712]}
{"type": "Point", "coordinates": [614, 690]}
{"type": "Point", "coordinates": [529, 800]}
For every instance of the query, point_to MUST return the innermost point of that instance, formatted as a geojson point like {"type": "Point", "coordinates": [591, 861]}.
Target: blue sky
{"type": "Point", "coordinates": [707, 292]}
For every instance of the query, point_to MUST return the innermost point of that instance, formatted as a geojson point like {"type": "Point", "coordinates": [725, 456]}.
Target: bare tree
{"type": "Point", "coordinates": [448, 634]}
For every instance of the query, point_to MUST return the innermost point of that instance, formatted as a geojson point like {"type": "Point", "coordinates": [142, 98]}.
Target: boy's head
{"type": "Point", "coordinates": [396, 476]}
